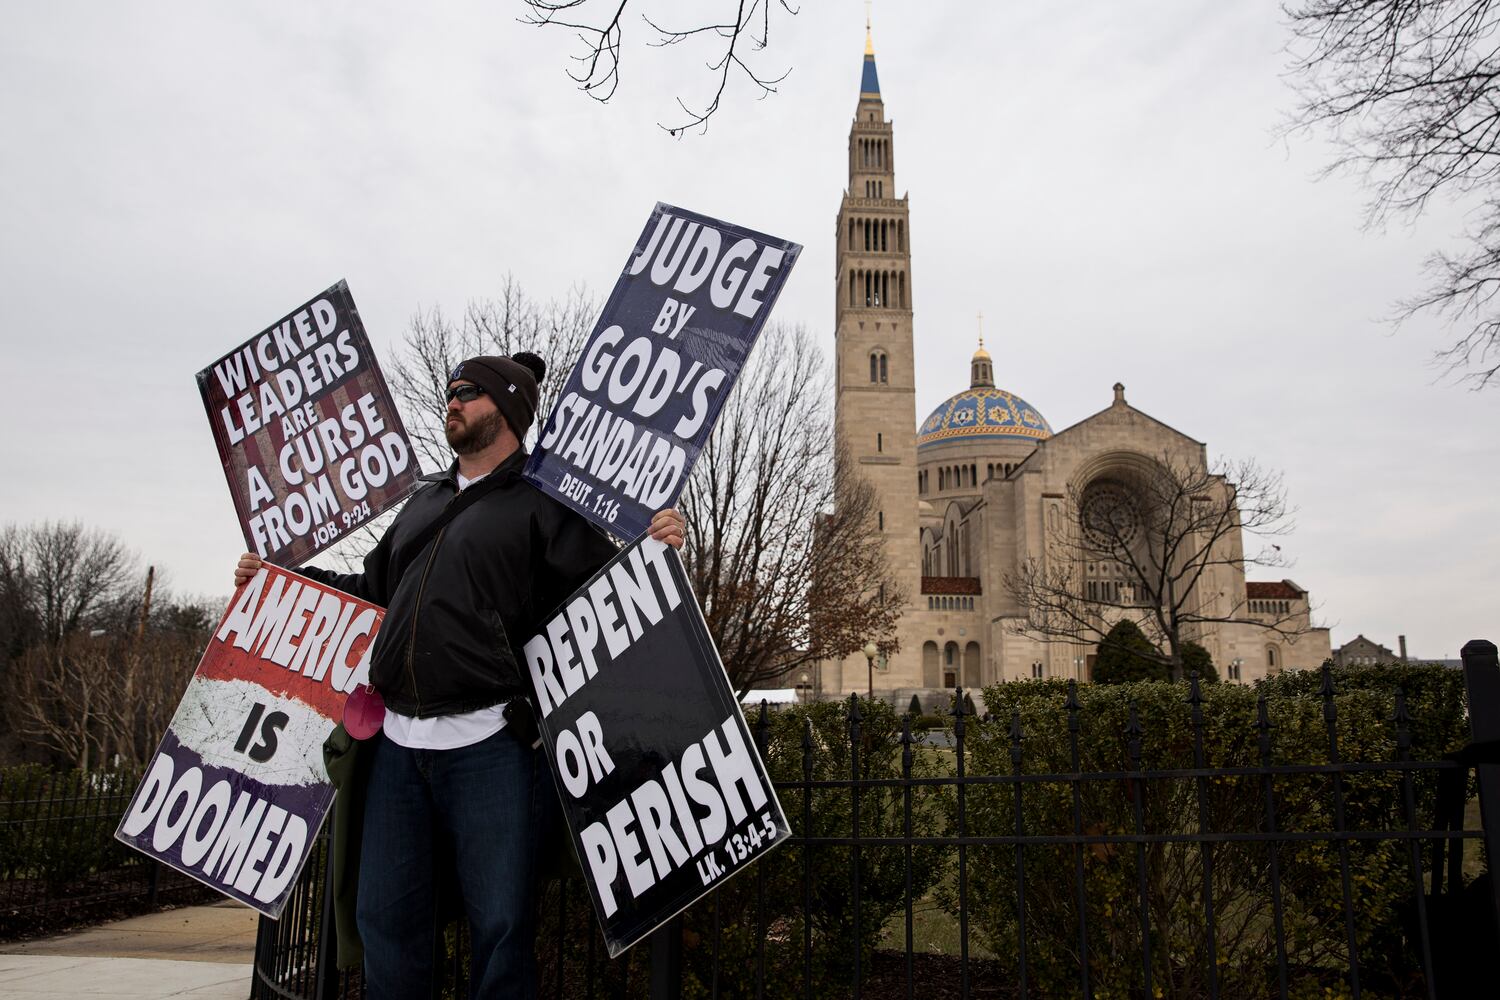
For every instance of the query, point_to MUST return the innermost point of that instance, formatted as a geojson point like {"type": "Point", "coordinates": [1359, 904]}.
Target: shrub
{"type": "Point", "coordinates": [1311, 880]}
{"type": "Point", "coordinates": [59, 827]}
{"type": "Point", "coordinates": [1195, 660]}
{"type": "Point", "coordinates": [823, 873]}
{"type": "Point", "coordinates": [1125, 654]}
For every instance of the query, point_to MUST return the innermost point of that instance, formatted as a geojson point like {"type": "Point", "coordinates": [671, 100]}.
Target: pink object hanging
{"type": "Point", "coordinates": [364, 712]}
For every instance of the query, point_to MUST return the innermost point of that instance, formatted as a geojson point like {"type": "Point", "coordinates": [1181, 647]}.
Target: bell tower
{"type": "Point", "coordinates": [875, 405]}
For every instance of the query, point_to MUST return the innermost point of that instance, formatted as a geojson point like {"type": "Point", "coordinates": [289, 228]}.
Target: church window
{"type": "Point", "coordinates": [884, 374]}
{"type": "Point", "coordinates": [873, 369]}
{"type": "Point", "coordinates": [879, 442]}
{"type": "Point", "coordinates": [880, 519]}
{"type": "Point", "coordinates": [1036, 670]}
{"type": "Point", "coordinates": [901, 240]}
{"type": "Point", "coordinates": [1271, 657]}
{"type": "Point", "coordinates": [902, 289]}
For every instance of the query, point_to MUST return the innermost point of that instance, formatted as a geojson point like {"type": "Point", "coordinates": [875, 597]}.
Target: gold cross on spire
{"type": "Point", "coordinates": [980, 317]}
{"type": "Point", "coordinates": [869, 40]}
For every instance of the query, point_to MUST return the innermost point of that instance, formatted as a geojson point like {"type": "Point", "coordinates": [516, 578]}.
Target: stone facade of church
{"type": "Point", "coordinates": [975, 489]}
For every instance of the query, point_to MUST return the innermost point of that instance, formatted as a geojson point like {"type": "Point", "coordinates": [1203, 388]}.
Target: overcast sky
{"type": "Point", "coordinates": [1101, 180]}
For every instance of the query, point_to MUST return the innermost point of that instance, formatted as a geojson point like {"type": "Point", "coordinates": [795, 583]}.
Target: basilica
{"type": "Point", "coordinates": [974, 491]}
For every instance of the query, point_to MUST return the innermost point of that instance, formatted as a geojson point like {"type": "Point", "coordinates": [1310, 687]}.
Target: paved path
{"type": "Point", "coordinates": [196, 951]}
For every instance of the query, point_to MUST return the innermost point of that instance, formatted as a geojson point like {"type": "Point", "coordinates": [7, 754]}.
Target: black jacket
{"type": "Point", "coordinates": [457, 616]}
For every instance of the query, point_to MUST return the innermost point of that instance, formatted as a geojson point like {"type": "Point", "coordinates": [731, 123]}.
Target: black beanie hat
{"type": "Point", "coordinates": [510, 382]}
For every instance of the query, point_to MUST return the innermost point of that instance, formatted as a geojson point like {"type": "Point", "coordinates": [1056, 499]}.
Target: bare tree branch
{"type": "Point", "coordinates": [785, 576]}
{"type": "Point", "coordinates": [597, 66]}
{"type": "Point", "coordinates": [1410, 90]}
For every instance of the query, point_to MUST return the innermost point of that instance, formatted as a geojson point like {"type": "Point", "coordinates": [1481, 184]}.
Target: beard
{"type": "Point", "coordinates": [469, 436]}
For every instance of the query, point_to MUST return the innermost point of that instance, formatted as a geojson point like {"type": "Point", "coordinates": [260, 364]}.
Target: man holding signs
{"type": "Point", "coordinates": [475, 562]}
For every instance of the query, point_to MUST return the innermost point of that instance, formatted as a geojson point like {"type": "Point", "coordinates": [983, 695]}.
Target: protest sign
{"type": "Point", "coordinates": [667, 349]}
{"type": "Point", "coordinates": [237, 789]}
{"type": "Point", "coordinates": [662, 786]}
{"type": "Point", "coordinates": [309, 436]}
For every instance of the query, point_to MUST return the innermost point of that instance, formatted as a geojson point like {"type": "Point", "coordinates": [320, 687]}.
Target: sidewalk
{"type": "Point", "coordinates": [197, 951]}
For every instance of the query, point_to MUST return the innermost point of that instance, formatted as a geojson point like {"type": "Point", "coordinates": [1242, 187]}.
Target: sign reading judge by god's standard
{"type": "Point", "coordinates": [640, 403]}
{"type": "Point", "coordinates": [309, 435]}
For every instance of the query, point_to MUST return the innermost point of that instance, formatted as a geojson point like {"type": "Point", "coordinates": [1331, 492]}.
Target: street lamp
{"type": "Point", "coordinates": [802, 683]}
{"type": "Point", "coordinates": [871, 650]}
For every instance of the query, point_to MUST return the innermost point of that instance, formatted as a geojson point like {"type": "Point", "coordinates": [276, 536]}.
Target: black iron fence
{"type": "Point", "coordinates": [1313, 836]}
{"type": "Point", "coordinates": [59, 861]}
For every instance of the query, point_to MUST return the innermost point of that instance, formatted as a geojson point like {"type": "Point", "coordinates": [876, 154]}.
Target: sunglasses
{"type": "Point", "coordinates": [465, 393]}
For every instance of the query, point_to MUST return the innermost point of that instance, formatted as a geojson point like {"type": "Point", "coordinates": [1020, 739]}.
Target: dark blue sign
{"type": "Point", "coordinates": [640, 403]}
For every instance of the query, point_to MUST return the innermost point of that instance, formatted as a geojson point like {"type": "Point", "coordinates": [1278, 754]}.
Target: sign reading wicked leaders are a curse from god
{"type": "Point", "coordinates": [661, 783]}
{"type": "Point", "coordinates": [308, 433]}
{"type": "Point", "coordinates": [640, 403]}
{"type": "Point", "coordinates": [237, 789]}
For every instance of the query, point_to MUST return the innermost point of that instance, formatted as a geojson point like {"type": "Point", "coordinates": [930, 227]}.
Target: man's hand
{"type": "Point", "coordinates": [668, 526]}
{"type": "Point", "coordinates": [249, 565]}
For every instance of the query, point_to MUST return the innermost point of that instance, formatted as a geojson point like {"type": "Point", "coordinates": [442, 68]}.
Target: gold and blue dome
{"type": "Point", "coordinates": [983, 412]}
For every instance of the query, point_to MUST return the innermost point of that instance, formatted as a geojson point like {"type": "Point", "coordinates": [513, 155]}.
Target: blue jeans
{"type": "Point", "coordinates": [490, 805]}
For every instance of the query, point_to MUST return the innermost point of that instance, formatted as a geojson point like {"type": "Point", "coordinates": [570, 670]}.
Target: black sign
{"type": "Point", "coordinates": [308, 433]}
{"type": "Point", "coordinates": [673, 337]}
{"type": "Point", "coordinates": [662, 786]}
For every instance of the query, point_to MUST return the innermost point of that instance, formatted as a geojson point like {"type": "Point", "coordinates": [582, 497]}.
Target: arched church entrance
{"type": "Point", "coordinates": [971, 666]}
{"type": "Point", "coordinates": [930, 670]}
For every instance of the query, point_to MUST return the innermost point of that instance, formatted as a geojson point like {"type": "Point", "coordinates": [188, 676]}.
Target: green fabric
{"type": "Point", "coordinates": [348, 762]}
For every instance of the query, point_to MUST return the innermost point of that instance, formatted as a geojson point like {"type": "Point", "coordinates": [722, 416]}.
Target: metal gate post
{"type": "Point", "coordinates": [1482, 682]}
{"type": "Point", "coordinates": [327, 987]}
{"type": "Point", "coordinates": [666, 960]}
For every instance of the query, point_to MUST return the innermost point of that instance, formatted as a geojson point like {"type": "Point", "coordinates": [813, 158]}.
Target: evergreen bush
{"type": "Point", "coordinates": [1310, 871]}
{"type": "Point", "coordinates": [1125, 654]}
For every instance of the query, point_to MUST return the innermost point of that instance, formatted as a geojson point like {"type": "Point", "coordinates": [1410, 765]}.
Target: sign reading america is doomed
{"type": "Point", "coordinates": [663, 788]}
{"type": "Point", "coordinates": [640, 403]}
{"type": "Point", "coordinates": [237, 789]}
{"type": "Point", "coordinates": [309, 435]}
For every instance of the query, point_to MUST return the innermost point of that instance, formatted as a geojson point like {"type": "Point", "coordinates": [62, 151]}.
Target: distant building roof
{"type": "Point", "coordinates": [869, 83]}
{"type": "Point", "coordinates": [1272, 590]}
{"type": "Point", "coordinates": [950, 585]}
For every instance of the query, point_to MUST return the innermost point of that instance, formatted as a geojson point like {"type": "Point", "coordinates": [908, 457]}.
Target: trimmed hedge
{"type": "Point", "coordinates": [781, 878]}
{"type": "Point", "coordinates": [57, 828]}
{"type": "Point", "coordinates": [1310, 871]}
